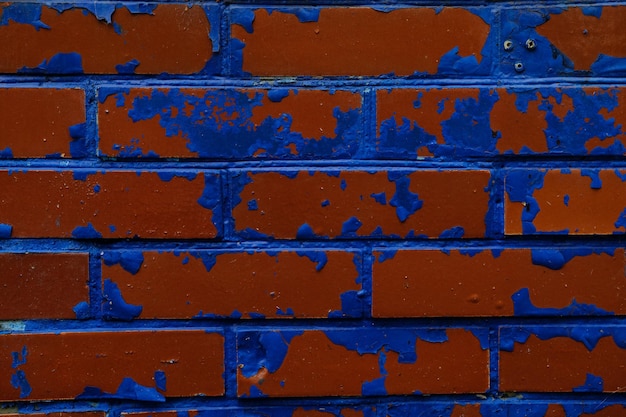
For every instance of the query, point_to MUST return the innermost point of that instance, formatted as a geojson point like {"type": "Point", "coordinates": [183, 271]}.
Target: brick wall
{"type": "Point", "coordinates": [249, 208]}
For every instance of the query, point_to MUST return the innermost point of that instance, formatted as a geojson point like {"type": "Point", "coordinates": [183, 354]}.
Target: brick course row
{"type": "Point", "coordinates": [453, 203]}
{"type": "Point", "coordinates": [316, 283]}
{"type": "Point", "coordinates": [297, 123]}
{"type": "Point", "coordinates": [310, 41]}
{"type": "Point", "coordinates": [152, 365]}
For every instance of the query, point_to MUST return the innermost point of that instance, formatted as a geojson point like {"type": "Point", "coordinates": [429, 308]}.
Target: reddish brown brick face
{"type": "Point", "coordinates": [228, 123]}
{"type": "Point", "coordinates": [66, 365]}
{"type": "Point", "coordinates": [565, 359]}
{"type": "Point", "coordinates": [359, 203]}
{"type": "Point", "coordinates": [451, 283]}
{"type": "Point", "coordinates": [43, 285]}
{"type": "Point", "coordinates": [567, 201]}
{"type": "Point", "coordinates": [120, 204]}
{"type": "Point", "coordinates": [358, 41]}
{"type": "Point", "coordinates": [283, 284]}
{"type": "Point", "coordinates": [171, 38]}
{"type": "Point", "coordinates": [37, 122]}
{"type": "Point", "coordinates": [347, 362]}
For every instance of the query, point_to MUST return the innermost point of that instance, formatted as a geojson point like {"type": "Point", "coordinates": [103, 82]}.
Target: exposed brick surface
{"type": "Point", "coordinates": [326, 209]}
{"type": "Point", "coordinates": [586, 37]}
{"type": "Point", "coordinates": [120, 204]}
{"type": "Point", "coordinates": [145, 40]}
{"type": "Point", "coordinates": [285, 284]}
{"type": "Point", "coordinates": [358, 203]}
{"type": "Point", "coordinates": [360, 362]}
{"type": "Point", "coordinates": [41, 122]}
{"type": "Point", "coordinates": [43, 285]}
{"type": "Point", "coordinates": [521, 282]}
{"type": "Point", "coordinates": [229, 123]}
{"type": "Point", "coordinates": [143, 365]}
{"type": "Point", "coordinates": [564, 359]}
{"type": "Point", "coordinates": [566, 201]}
{"type": "Point", "coordinates": [461, 122]}
{"type": "Point", "coordinates": [356, 41]}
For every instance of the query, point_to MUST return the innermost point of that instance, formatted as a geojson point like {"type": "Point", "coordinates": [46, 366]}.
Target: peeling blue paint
{"type": "Point", "coordinates": [372, 340]}
{"type": "Point", "coordinates": [619, 223]}
{"type": "Point", "coordinates": [128, 389]}
{"type": "Point", "coordinates": [276, 95]}
{"type": "Point", "coordinates": [82, 311]}
{"type": "Point", "coordinates": [61, 63]}
{"type": "Point", "coordinates": [405, 201]}
{"type": "Point", "coordinates": [523, 306]}
{"type": "Point", "coordinates": [19, 358]}
{"type": "Point", "coordinates": [351, 226]}
{"type": "Point", "coordinates": [351, 305]}
{"type": "Point", "coordinates": [520, 186]}
{"type": "Point", "coordinates": [104, 11]}
{"type": "Point", "coordinates": [557, 258]}
{"type": "Point", "coordinates": [6, 230]}
{"type": "Point", "coordinates": [243, 17]}
{"type": "Point", "coordinates": [129, 260]}
{"type": "Point", "coordinates": [19, 381]}
{"type": "Point", "coordinates": [305, 232]}
{"type": "Point", "coordinates": [6, 153]}
{"type": "Point", "coordinates": [456, 232]}
{"type": "Point", "coordinates": [257, 350]}
{"type": "Point", "coordinates": [86, 232]}
{"type": "Point", "coordinates": [594, 174]}
{"type": "Point", "coordinates": [209, 259]}
{"type": "Point", "coordinates": [592, 383]}
{"type": "Point", "coordinates": [587, 335]}
{"type": "Point", "coordinates": [127, 68]}
{"type": "Point", "coordinates": [316, 256]}
{"type": "Point", "coordinates": [221, 116]}
{"type": "Point", "coordinates": [114, 307]}
{"type": "Point", "coordinates": [25, 13]}
{"type": "Point", "coordinates": [160, 380]}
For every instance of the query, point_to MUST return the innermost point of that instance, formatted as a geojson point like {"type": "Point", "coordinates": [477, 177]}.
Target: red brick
{"type": "Point", "coordinates": [455, 283]}
{"type": "Point", "coordinates": [328, 202]}
{"type": "Point", "coordinates": [180, 285]}
{"type": "Point", "coordinates": [35, 122]}
{"type": "Point", "coordinates": [562, 359]}
{"type": "Point", "coordinates": [583, 38]}
{"type": "Point", "coordinates": [226, 123]}
{"type": "Point", "coordinates": [575, 202]}
{"type": "Point", "coordinates": [64, 365]}
{"type": "Point", "coordinates": [43, 285]}
{"type": "Point", "coordinates": [117, 204]}
{"type": "Point", "coordinates": [461, 122]}
{"type": "Point", "coordinates": [358, 41]}
{"type": "Point", "coordinates": [173, 38]}
{"type": "Point", "coordinates": [342, 362]}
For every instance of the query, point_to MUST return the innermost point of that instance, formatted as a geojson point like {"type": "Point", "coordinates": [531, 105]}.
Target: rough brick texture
{"type": "Point", "coordinates": [312, 208]}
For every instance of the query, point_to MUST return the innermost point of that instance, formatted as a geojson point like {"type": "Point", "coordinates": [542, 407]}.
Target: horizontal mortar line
{"type": "Point", "coordinates": [55, 245]}
{"type": "Point", "coordinates": [326, 82]}
{"type": "Point", "coordinates": [219, 325]}
{"type": "Point", "coordinates": [184, 403]}
{"type": "Point", "coordinates": [493, 163]}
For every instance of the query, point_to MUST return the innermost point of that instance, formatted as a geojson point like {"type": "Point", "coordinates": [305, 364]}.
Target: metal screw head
{"type": "Point", "coordinates": [531, 44]}
{"type": "Point", "coordinates": [519, 67]}
{"type": "Point", "coordinates": [508, 45]}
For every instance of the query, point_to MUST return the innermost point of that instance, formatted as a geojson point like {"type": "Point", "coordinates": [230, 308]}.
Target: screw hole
{"type": "Point", "coordinates": [531, 44]}
{"type": "Point", "coordinates": [519, 67]}
{"type": "Point", "coordinates": [508, 45]}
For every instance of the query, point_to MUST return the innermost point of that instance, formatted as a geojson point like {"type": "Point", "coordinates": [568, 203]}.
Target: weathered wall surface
{"type": "Point", "coordinates": [252, 208]}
